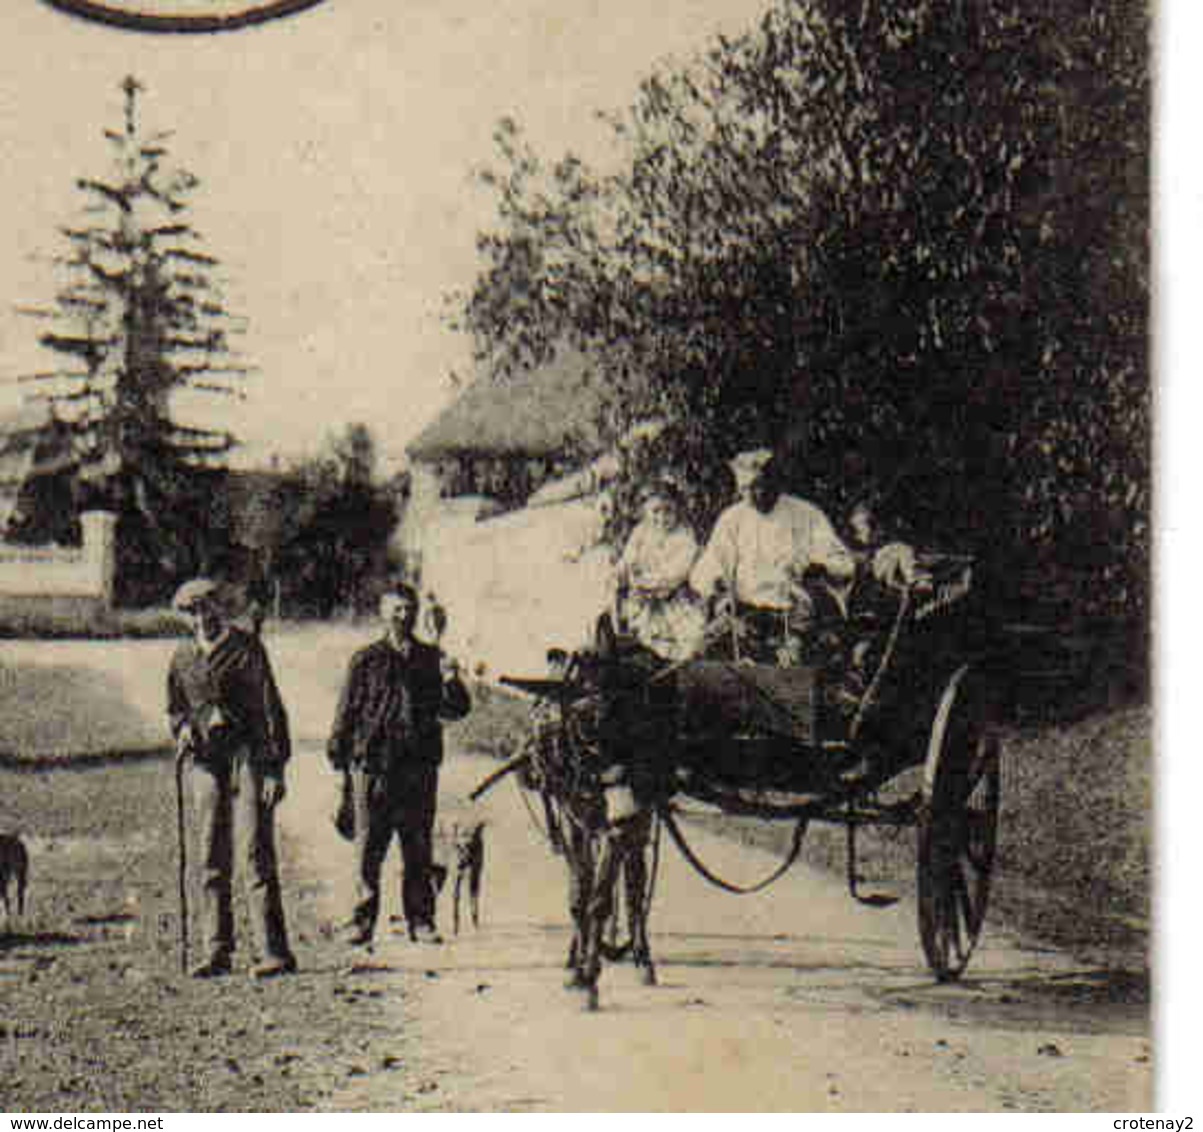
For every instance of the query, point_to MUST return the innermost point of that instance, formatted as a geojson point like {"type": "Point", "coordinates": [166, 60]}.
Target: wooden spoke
{"type": "Point", "coordinates": [957, 834]}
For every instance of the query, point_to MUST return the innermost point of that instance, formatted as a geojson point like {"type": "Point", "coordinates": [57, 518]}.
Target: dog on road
{"type": "Point", "coordinates": [468, 851]}
{"type": "Point", "coordinates": [14, 869]}
{"type": "Point", "coordinates": [469, 869]}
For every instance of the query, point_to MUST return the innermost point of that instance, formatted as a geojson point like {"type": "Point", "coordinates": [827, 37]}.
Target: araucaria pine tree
{"type": "Point", "coordinates": [139, 316]}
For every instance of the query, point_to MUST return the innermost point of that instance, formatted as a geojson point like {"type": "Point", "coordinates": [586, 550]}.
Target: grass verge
{"type": "Point", "coordinates": [80, 624]}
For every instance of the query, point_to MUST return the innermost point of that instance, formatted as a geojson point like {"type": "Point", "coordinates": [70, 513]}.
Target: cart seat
{"type": "Point", "coordinates": [716, 699]}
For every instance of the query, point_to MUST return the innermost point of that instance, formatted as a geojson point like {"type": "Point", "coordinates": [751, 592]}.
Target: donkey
{"type": "Point", "coordinates": [597, 819]}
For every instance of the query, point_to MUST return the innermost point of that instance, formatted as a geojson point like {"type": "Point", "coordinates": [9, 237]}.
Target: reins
{"type": "Point", "coordinates": [871, 693]}
{"type": "Point", "coordinates": [670, 823]}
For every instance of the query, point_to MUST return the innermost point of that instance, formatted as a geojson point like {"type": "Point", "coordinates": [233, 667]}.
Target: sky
{"type": "Point", "coordinates": [336, 151]}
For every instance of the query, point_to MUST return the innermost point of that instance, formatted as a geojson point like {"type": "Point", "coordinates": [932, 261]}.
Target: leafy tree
{"type": "Point", "coordinates": [338, 541]}
{"type": "Point", "coordinates": [138, 317]}
{"type": "Point", "coordinates": [904, 240]}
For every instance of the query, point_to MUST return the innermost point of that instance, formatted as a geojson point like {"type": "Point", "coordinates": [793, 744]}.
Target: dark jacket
{"type": "Point", "coordinates": [391, 708]}
{"type": "Point", "coordinates": [230, 700]}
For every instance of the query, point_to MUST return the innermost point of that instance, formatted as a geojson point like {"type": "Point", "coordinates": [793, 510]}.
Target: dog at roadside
{"type": "Point", "coordinates": [469, 844]}
{"type": "Point", "coordinates": [14, 870]}
{"type": "Point", "coordinates": [468, 851]}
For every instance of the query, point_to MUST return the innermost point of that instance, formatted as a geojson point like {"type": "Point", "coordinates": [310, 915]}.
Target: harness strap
{"type": "Point", "coordinates": [678, 837]}
{"type": "Point", "coordinates": [516, 763]}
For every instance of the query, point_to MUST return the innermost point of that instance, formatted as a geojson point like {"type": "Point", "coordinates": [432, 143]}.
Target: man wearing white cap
{"type": "Point", "coordinates": [228, 720]}
{"type": "Point", "coordinates": [759, 552]}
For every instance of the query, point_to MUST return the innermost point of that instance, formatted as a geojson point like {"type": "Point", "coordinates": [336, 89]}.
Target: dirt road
{"type": "Point", "coordinates": [796, 999]}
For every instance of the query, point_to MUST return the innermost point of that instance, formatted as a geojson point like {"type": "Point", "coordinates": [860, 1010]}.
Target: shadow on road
{"type": "Point", "coordinates": [1083, 1001]}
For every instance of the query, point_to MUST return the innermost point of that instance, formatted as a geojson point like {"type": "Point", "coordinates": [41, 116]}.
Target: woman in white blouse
{"type": "Point", "coordinates": [655, 602]}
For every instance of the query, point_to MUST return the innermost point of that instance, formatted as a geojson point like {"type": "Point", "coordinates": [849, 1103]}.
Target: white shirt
{"type": "Point", "coordinates": [762, 557]}
{"type": "Point", "coordinates": [657, 559]}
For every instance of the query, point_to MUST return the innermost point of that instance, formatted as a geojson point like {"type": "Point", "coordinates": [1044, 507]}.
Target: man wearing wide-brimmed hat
{"type": "Point", "coordinates": [759, 554]}
{"type": "Point", "coordinates": [230, 725]}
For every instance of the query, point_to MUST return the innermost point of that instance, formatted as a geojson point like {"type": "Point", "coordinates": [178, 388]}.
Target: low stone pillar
{"type": "Point", "coordinates": [99, 533]}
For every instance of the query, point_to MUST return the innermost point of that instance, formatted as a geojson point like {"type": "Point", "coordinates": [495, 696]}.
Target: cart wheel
{"type": "Point", "coordinates": [959, 828]}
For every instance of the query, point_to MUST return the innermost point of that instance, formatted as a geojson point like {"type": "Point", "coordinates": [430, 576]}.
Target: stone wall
{"type": "Point", "coordinates": [518, 584]}
{"type": "Point", "coordinates": [62, 577]}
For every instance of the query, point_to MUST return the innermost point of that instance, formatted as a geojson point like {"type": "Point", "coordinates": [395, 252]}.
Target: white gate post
{"type": "Point", "coordinates": [99, 531]}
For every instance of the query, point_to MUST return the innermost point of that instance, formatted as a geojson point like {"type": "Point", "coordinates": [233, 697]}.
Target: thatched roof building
{"type": "Point", "coordinates": [542, 412]}
{"type": "Point", "coordinates": [504, 439]}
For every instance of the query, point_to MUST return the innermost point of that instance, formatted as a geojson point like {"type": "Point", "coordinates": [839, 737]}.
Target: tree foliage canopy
{"type": "Point", "coordinates": [139, 315]}
{"type": "Point", "coordinates": [905, 240]}
{"type": "Point", "coordinates": [334, 548]}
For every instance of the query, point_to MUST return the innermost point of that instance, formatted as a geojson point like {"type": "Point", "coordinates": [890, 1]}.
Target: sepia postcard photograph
{"type": "Point", "coordinates": [578, 558]}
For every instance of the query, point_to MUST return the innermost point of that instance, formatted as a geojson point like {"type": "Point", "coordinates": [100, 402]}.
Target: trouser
{"type": "Point", "coordinates": [229, 810]}
{"type": "Point", "coordinates": [402, 803]}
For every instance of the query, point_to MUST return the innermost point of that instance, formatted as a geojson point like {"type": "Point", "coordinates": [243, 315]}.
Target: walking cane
{"type": "Point", "coordinates": [182, 832]}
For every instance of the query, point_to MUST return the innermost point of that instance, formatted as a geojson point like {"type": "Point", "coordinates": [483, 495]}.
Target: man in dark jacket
{"type": "Point", "coordinates": [388, 735]}
{"type": "Point", "coordinates": [228, 719]}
